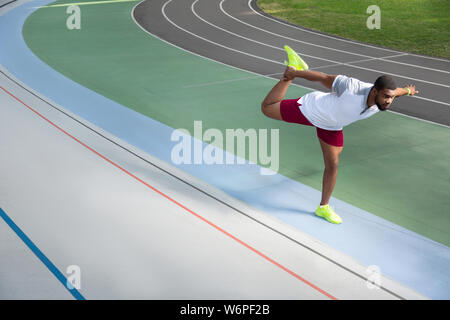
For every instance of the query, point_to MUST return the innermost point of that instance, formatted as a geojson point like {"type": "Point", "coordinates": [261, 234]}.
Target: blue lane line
{"type": "Point", "coordinates": [40, 255]}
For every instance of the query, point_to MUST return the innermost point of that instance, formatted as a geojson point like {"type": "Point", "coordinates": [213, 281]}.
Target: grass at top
{"type": "Point", "coordinates": [419, 26]}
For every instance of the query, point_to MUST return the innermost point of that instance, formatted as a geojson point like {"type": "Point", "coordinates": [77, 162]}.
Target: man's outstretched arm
{"type": "Point", "coordinates": [326, 79]}
{"type": "Point", "coordinates": [407, 90]}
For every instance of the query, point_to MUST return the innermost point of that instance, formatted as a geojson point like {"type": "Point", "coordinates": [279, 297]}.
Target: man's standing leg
{"type": "Point", "coordinates": [331, 161]}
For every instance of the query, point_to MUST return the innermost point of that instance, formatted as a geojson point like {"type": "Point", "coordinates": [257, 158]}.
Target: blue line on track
{"type": "Point", "coordinates": [77, 295]}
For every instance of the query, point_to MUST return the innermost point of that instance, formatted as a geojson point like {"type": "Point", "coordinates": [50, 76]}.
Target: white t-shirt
{"type": "Point", "coordinates": [340, 107]}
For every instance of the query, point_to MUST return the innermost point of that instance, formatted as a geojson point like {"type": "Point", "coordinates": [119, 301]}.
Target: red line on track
{"type": "Point", "coordinates": [176, 202]}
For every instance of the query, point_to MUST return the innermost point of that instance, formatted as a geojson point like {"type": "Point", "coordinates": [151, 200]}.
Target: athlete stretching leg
{"type": "Point", "coordinates": [349, 101]}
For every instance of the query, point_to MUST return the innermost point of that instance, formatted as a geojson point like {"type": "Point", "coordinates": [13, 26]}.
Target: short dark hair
{"type": "Point", "coordinates": [385, 82]}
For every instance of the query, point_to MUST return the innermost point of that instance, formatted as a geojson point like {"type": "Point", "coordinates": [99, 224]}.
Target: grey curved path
{"type": "Point", "coordinates": [237, 33]}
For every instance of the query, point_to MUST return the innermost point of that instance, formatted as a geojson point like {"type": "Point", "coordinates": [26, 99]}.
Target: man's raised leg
{"type": "Point", "coordinates": [271, 104]}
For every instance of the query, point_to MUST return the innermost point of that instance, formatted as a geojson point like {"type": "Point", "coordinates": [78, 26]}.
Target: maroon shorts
{"type": "Point", "coordinates": [290, 112]}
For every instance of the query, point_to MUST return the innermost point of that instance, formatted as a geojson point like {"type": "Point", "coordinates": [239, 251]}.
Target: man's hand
{"type": "Point", "coordinates": [289, 74]}
{"type": "Point", "coordinates": [406, 90]}
{"type": "Point", "coordinates": [411, 88]}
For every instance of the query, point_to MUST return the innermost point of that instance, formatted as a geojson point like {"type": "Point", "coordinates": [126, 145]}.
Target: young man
{"type": "Point", "coordinates": [349, 100]}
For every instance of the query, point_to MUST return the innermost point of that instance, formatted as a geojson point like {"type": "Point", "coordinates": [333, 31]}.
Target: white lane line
{"type": "Point", "coordinates": [356, 61]}
{"type": "Point", "coordinates": [431, 100]}
{"type": "Point", "coordinates": [339, 39]}
{"type": "Point", "coordinates": [265, 76]}
{"type": "Point", "coordinates": [413, 65]}
{"type": "Point", "coordinates": [412, 117]}
{"type": "Point", "coordinates": [431, 58]}
{"type": "Point", "coordinates": [329, 48]}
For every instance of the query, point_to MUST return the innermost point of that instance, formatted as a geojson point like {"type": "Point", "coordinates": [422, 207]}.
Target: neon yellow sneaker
{"type": "Point", "coordinates": [294, 59]}
{"type": "Point", "coordinates": [328, 213]}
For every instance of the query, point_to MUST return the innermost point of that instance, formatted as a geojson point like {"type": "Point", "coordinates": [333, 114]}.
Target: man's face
{"type": "Point", "coordinates": [384, 98]}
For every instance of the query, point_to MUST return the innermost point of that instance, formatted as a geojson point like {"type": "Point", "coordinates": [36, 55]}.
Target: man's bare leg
{"type": "Point", "coordinates": [271, 104]}
{"type": "Point", "coordinates": [331, 160]}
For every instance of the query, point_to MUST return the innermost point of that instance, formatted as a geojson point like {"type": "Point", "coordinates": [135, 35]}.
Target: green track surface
{"type": "Point", "coordinates": [392, 166]}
